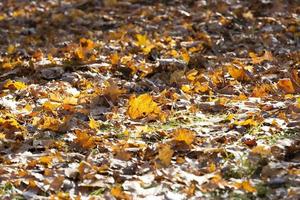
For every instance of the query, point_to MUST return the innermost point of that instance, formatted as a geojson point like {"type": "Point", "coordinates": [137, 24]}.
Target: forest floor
{"type": "Point", "coordinates": [149, 99]}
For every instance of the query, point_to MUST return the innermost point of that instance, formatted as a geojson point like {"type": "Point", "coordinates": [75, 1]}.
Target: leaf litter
{"type": "Point", "coordinates": [149, 99]}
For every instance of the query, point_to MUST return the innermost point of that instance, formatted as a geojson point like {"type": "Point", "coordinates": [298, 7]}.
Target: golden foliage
{"type": "Point", "coordinates": [184, 135]}
{"type": "Point", "coordinates": [142, 106]}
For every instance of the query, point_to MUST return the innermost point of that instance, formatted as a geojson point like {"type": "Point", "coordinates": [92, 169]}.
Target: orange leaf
{"type": "Point", "coordinates": [165, 154]}
{"type": "Point", "coordinates": [185, 135]}
{"type": "Point", "coordinates": [257, 60]}
{"type": "Point", "coordinates": [84, 139]}
{"type": "Point", "coordinates": [286, 85]}
{"type": "Point", "coordinates": [142, 106]}
{"type": "Point", "coordinates": [118, 193]}
{"type": "Point", "coordinates": [46, 160]}
{"type": "Point", "coordinates": [238, 73]}
{"type": "Point", "coordinates": [114, 58]}
{"type": "Point", "coordinates": [246, 185]}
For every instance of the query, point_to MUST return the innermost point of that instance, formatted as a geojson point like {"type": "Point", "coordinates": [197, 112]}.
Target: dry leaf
{"type": "Point", "coordinates": [15, 85]}
{"type": "Point", "coordinates": [257, 60]}
{"type": "Point", "coordinates": [94, 124]}
{"type": "Point", "coordinates": [84, 139]}
{"type": "Point", "coordinates": [165, 154]}
{"type": "Point", "coordinates": [142, 106]}
{"type": "Point", "coordinates": [238, 73]}
{"type": "Point", "coordinates": [118, 193]}
{"type": "Point", "coordinates": [286, 85]}
{"type": "Point", "coordinates": [262, 150]}
{"type": "Point", "coordinates": [184, 135]}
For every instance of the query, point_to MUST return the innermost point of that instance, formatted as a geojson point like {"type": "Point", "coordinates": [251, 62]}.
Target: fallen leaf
{"type": "Point", "coordinates": [16, 85]}
{"type": "Point", "coordinates": [238, 73]}
{"type": "Point", "coordinates": [165, 154]}
{"type": "Point", "coordinates": [184, 135]}
{"type": "Point", "coordinates": [142, 106]}
{"type": "Point", "coordinates": [94, 124]}
{"type": "Point", "coordinates": [259, 59]}
{"type": "Point", "coordinates": [286, 85]}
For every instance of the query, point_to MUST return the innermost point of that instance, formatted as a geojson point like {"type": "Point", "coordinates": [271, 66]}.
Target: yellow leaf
{"type": "Point", "coordinates": [48, 105]}
{"type": "Point", "coordinates": [142, 106]}
{"type": "Point", "coordinates": [49, 123]}
{"type": "Point", "coordinates": [191, 75]}
{"type": "Point", "coordinates": [184, 135]}
{"type": "Point", "coordinates": [165, 154]}
{"type": "Point", "coordinates": [46, 160]}
{"type": "Point", "coordinates": [144, 43]}
{"type": "Point", "coordinates": [186, 89]}
{"type": "Point", "coordinates": [238, 73]}
{"type": "Point", "coordinates": [79, 53]}
{"type": "Point", "coordinates": [142, 40]}
{"type": "Point", "coordinates": [87, 44]}
{"type": "Point", "coordinates": [84, 139]}
{"type": "Point", "coordinates": [17, 85]}
{"type": "Point", "coordinates": [201, 87]}
{"type": "Point", "coordinates": [114, 58]}
{"type": "Point", "coordinates": [212, 167]}
{"type": "Point", "coordinates": [248, 122]}
{"type": "Point", "coordinates": [230, 117]}
{"type": "Point", "coordinates": [70, 101]}
{"type": "Point", "coordinates": [246, 185]}
{"type": "Point", "coordinates": [118, 193]}
{"type": "Point", "coordinates": [2, 136]}
{"type": "Point", "coordinates": [286, 85]}
{"type": "Point", "coordinates": [262, 150]}
{"type": "Point", "coordinates": [94, 124]}
{"type": "Point", "coordinates": [28, 108]}
{"type": "Point", "coordinates": [262, 90]}
{"type": "Point", "coordinates": [185, 56]}
{"type": "Point", "coordinates": [11, 49]}
{"type": "Point", "coordinates": [257, 60]}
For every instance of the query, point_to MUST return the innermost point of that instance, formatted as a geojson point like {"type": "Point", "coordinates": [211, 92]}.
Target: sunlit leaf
{"type": "Point", "coordinates": [165, 154]}
{"type": "Point", "coordinates": [286, 85]}
{"type": "Point", "coordinates": [142, 106]}
{"type": "Point", "coordinates": [259, 59]}
{"type": "Point", "coordinates": [262, 150]}
{"type": "Point", "coordinates": [94, 124]}
{"type": "Point", "coordinates": [118, 193]}
{"type": "Point", "coordinates": [238, 73]}
{"type": "Point", "coordinates": [114, 58]}
{"type": "Point", "coordinates": [84, 139]}
{"type": "Point", "coordinates": [184, 135]}
{"type": "Point", "coordinates": [16, 85]}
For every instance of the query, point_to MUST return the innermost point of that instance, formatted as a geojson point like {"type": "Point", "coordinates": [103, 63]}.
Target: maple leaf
{"type": "Point", "coordinates": [257, 60]}
{"type": "Point", "coordinates": [238, 73]}
{"type": "Point", "coordinates": [114, 58]}
{"type": "Point", "coordinates": [46, 160]}
{"type": "Point", "coordinates": [17, 85]}
{"type": "Point", "coordinates": [184, 135]}
{"type": "Point", "coordinates": [84, 139]}
{"type": "Point", "coordinates": [118, 193]}
{"type": "Point", "coordinates": [245, 185]}
{"type": "Point", "coordinates": [286, 85]}
{"type": "Point", "coordinates": [144, 43]}
{"type": "Point", "coordinates": [142, 106]}
{"type": "Point", "coordinates": [262, 150]}
{"type": "Point", "coordinates": [87, 44]}
{"type": "Point", "coordinates": [48, 123]}
{"type": "Point", "coordinates": [165, 155]}
{"type": "Point", "coordinates": [94, 124]}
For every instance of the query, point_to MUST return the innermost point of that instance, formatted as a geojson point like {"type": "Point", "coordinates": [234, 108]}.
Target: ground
{"type": "Point", "coordinates": [142, 99]}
